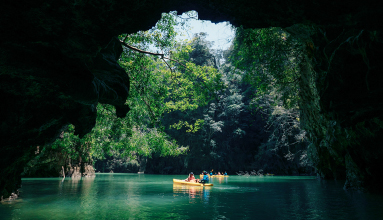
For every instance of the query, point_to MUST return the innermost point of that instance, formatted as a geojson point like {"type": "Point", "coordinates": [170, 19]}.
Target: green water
{"type": "Point", "coordinates": [133, 196]}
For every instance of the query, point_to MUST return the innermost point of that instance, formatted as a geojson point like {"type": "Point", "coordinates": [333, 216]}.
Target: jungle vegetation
{"type": "Point", "coordinates": [195, 108]}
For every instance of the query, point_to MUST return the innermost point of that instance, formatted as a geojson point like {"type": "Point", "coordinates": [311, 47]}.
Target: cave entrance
{"type": "Point", "coordinates": [220, 34]}
{"type": "Point", "coordinates": [260, 70]}
{"type": "Point", "coordinates": [174, 29]}
{"type": "Point", "coordinates": [46, 48]}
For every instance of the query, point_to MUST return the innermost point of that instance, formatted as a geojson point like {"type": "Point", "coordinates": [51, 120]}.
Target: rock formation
{"type": "Point", "coordinates": [58, 59]}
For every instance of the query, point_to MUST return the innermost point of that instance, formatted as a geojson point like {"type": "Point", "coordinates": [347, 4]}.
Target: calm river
{"type": "Point", "coordinates": [134, 196]}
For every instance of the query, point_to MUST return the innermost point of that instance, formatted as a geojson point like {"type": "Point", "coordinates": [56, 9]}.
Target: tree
{"type": "Point", "coordinates": [229, 135]}
{"type": "Point", "coordinates": [271, 61]}
{"type": "Point", "coordinates": [160, 83]}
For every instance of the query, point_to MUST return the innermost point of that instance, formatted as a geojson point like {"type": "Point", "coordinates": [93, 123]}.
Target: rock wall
{"type": "Point", "coordinates": [341, 104]}
{"type": "Point", "coordinates": [351, 91]}
{"type": "Point", "coordinates": [75, 171]}
{"type": "Point", "coordinates": [58, 59]}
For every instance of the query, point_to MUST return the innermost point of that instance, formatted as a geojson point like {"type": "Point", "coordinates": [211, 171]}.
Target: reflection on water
{"type": "Point", "coordinates": [132, 196]}
{"type": "Point", "coordinates": [194, 192]}
{"type": "Point", "coordinates": [221, 179]}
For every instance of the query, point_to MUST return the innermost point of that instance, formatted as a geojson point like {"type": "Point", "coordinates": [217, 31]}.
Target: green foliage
{"type": "Point", "coordinates": [158, 86]}
{"type": "Point", "coordinates": [270, 58]}
{"type": "Point", "coordinates": [226, 139]}
{"type": "Point", "coordinates": [190, 127]}
{"type": "Point", "coordinates": [162, 85]}
{"type": "Point", "coordinates": [161, 36]}
{"type": "Point", "coordinates": [69, 143]}
{"type": "Point", "coordinates": [201, 54]}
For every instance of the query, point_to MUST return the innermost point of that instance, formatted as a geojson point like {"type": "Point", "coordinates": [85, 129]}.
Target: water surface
{"type": "Point", "coordinates": [142, 196]}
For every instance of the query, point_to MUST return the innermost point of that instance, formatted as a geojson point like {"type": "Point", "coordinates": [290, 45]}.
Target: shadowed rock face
{"type": "Point", "coordinates": [58, 59]}
{"type": "Point", "coordinates": [348, 136]}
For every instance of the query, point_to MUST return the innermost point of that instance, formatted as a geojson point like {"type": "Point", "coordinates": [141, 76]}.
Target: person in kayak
{"type": "Point", "coordinates": [190, 178]}
{"type": "Point", "coordinates": [205, 178]}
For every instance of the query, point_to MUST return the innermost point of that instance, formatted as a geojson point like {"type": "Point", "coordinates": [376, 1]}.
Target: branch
{"type": "Point", "coordinates": [147, 104]}
{"type": "Point", "coordinates": [168, 66]}
{"type": "Point", "coordinates": [142, 51]}
{"type": "Point", "coordinates": [150, 110]}
{"type": "Point", "coordinates": [163, 58]}
{"type": "Point", "coordinates": [155, 54]}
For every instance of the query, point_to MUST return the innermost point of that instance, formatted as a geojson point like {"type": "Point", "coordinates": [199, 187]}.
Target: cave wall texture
{"type": "Point", "coordinates": [58, 59]}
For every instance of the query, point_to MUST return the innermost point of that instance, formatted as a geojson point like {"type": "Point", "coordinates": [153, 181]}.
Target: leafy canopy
{"type": "Point", "coordinates": [270, 58]}
{"type": "Point", "coordinates": [160, 84]}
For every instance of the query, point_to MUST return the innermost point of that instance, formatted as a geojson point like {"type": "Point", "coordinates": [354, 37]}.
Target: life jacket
{"type": "Point", "coordinates": [206, 178]}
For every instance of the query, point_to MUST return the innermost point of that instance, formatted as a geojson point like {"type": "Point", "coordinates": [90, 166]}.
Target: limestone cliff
{"type": "Point", "coordinates": [347, 130]}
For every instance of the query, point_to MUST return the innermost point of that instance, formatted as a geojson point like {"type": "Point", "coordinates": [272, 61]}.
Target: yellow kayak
{"type": "Point", "coordinates": [191, 183]}
{"type": "Point", "coordinates": [192, 190]}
